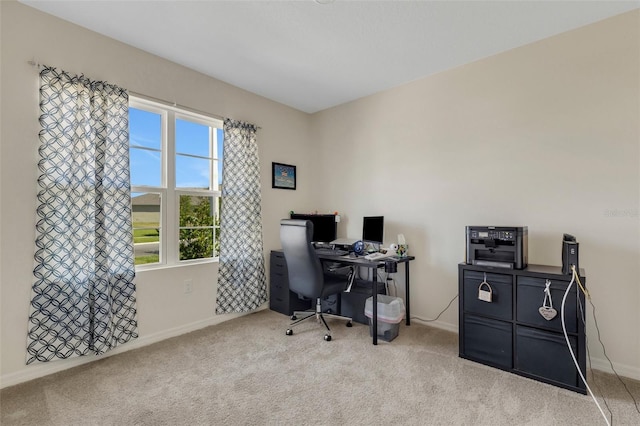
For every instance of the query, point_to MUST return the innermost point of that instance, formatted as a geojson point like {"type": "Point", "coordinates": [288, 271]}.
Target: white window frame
{"type": "Point", "coordinates": [169, 193]}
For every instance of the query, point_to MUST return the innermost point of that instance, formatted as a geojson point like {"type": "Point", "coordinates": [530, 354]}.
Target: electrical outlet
{"type": "Point", "coordinates": [188, 286]}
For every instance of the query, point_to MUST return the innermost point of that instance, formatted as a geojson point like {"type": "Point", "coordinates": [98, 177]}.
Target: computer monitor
{"type": "Point", "coordinates": [325, 228]}
{"type": "Point", "coordinates": [373, 229]}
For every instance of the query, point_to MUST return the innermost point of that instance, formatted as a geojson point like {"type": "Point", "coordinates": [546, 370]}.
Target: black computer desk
{"type": "Point", "coordinates": [374, 265]}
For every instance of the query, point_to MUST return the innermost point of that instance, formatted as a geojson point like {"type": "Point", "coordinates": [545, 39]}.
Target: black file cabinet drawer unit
{"type": "Point", "coordinates": [510, 333]}
{"type": "Point", "coordinates": [281, 299]}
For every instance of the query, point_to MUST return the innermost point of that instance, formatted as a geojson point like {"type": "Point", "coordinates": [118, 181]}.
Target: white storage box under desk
{"type": "Point", "coordinates": [390, 313]}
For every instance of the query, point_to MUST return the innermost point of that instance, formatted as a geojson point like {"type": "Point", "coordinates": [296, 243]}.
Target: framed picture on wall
{"type": "Point", "coordinates": [283, 176]}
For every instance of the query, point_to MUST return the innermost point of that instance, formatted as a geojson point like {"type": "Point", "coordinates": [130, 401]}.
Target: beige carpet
{"type": "Point", "coordinates": [247, 372]}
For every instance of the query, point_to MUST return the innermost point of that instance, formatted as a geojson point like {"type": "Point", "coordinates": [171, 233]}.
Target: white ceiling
{"type": "Point", "coordinates": [313, 56]}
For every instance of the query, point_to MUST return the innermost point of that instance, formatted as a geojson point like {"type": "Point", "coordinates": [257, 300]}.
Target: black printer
{"type": "Point", "coordinates": [497, 246]}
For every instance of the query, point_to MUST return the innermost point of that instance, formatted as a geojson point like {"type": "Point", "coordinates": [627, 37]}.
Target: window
{"type": "Point", "coordinates": [176, 176]}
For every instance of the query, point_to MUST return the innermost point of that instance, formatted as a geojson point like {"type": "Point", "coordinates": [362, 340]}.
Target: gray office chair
{"type": "Point", "coordinates": [307, 276]}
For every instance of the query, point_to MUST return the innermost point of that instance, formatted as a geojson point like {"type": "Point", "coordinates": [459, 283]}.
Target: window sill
{"type": "Point", "coordinates": [186, 263]}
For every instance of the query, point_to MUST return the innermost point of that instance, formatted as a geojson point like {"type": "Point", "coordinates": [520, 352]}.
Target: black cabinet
{"type": "Point", "coordinates": [504, 328]}
{"type": "Point", "coordinates": [281, 299]}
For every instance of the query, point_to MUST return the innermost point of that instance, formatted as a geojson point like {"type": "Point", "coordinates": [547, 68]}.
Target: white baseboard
{"type": "Point", "coordinates": [36, 370]}
{"type": "Point", "coordinates": [622, 369]}
{"type": "Point", "coordinates": [438, 324]}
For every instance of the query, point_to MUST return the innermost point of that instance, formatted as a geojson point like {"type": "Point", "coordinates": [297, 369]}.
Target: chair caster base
{"type": "Point", "coordinates": [289, 332]}
{"type": "Point", "coordinates": [327, 337]}
{"type": "Point", "coordinates": [293, 317]}
{"type": "Point", "coordinates": [349, 324]}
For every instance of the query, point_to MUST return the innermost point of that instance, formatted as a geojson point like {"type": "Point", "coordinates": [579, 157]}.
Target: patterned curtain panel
{"type": "Point", "coordinates": [83, 299]}
{"type": "Point", "coordinates": [241, 277]}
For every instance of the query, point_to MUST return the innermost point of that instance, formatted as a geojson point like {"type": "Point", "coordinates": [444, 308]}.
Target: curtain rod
{"type": "Point", "coordinates": [176, 105]}
{"type": "Point", "coordinates": [173, 104]}
{"type": "Point", "coordinates": [38, 65]}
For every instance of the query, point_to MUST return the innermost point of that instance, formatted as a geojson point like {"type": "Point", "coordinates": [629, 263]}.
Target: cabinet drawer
{"type": "Point", "coordinates": [279, 303]}
{"type": "Point", "coordinates": [530, 297]}
{"type": "Point", "coordinates": [488, 341]}
{"type": "Point", "coordinates": [278, 269]}
{"type": "Point", "coordinates": [501, 305]}
{"type": "Point", "coordinates": [288, 303]}
{"type": "Point", "coordinates": [278, 263]}
{"type": "Point", "coordinates": [545, 354]}
{"type": "Point", "coordinates": [279, 277]}
{"type": "Point", "coordinates": [279, 288]}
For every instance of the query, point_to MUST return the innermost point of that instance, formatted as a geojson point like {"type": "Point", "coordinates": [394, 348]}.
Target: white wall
{"type": "Point", "coordinates": [163, 308]}
{"type": "Point", "coordinates": [546, 135]}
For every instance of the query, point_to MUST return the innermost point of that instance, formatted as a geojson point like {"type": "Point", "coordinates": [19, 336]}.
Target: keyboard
{"type": "Point", "coordinates": [331, 252]}
{"type": "Point", "coordinates": [379, 256]}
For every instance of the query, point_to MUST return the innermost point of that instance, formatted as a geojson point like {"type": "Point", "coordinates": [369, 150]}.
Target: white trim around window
{"type": "Point", "coordinates": [169, 193]}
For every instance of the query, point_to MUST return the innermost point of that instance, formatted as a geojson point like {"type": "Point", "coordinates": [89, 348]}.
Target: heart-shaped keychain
{"type": "Point", "coordinates": [546, 310]}
{"type": "Point", "coordinates": [547, 313]}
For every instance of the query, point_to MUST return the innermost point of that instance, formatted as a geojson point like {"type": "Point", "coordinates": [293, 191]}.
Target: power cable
{"type": "Point", "coordinates": [566, 338]}
{"type": "Point", "coordinates": [442, 312]}
{"type": "Point", "coordinates": [595, 382]}
{"type": "Point", "coordinates": [584, 322]}
{"type": "Point", "coordinates": [604, 351]}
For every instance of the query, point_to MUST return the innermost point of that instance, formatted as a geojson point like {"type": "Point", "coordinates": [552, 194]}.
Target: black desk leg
{"type": "Point", "coordinates": [375, 306]}
{"type": "Point", "coordinates": [406, 291]}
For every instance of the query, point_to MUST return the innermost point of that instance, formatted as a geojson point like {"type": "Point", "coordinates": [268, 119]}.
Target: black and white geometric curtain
{"type": "Point", "coordinates": [83, 298]}
{"type": "Point", "coordinates": [241, 274]}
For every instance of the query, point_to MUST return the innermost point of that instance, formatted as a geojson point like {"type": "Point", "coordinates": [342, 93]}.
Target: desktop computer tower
{"type": "Point", "coordinates": [352, 303]}
{"type": "Point", "coordinates": [331, 304]}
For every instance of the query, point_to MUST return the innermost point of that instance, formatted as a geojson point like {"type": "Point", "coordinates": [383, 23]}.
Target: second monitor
{"type": "Point", "coordinates": [324, 226]}
{"type": "Point", "coordinates": [373, 229]}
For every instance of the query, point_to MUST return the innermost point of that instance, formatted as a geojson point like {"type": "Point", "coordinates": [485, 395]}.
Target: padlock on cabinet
{"type": "Point", "coordinates": [485, 292]}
